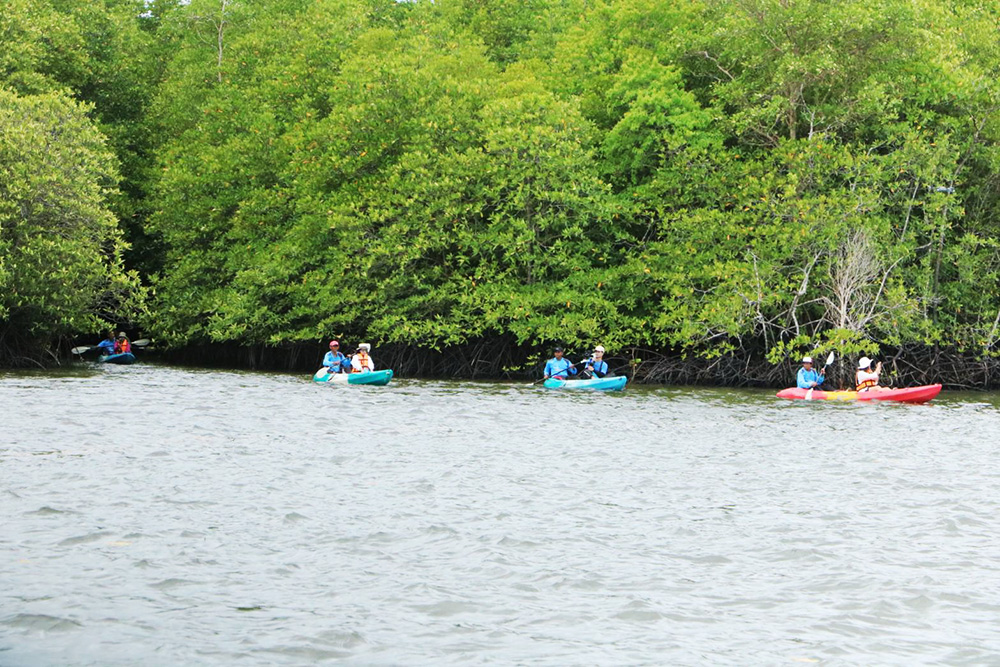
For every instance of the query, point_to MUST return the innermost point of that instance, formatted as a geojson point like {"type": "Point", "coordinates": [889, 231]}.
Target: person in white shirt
{"type": "Point", "coordinates": [595, 366]}
{"type": "Point", "coordinates": [866, 378]}
{"type": "Point", "coordinates": [361, 362]}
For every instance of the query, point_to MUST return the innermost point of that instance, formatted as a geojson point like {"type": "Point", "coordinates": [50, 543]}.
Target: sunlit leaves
{"type": "Point", "coordinates": [683, 175]}
{"type": "Point", "coordinates": [60, 247]}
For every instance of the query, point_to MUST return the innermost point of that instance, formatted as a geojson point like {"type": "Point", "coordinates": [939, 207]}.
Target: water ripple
{"type": "Point", "coordinates": [260, 518]}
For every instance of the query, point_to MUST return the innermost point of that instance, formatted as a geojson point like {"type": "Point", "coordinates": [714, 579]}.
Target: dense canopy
{"type": "Point", "coordinates": [708, 179]}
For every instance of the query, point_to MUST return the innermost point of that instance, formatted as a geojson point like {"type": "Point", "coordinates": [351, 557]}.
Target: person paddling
{"type": "Point", "coordinates": [866, 378]}
{"type": "Point", "coordinates": [595, 365]}
{"type": "Point", "coordinates": [122, 345]}
{"type": "Point", "coordinates": [107, 346]}
{"type": "Point", "coordinates": [808, 378]}
{"type": "Point", "coordinates": [361, 362]}
{"type": "Point", "coordinates": [335, 361]}
{"type": "Point", "coordinates": [558, 367]}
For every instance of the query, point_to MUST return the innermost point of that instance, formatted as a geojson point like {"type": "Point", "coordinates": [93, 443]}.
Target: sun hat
{"type": "Point", "coordinates": [599, 348]}
{"type": "Point", "coordinates": [121, 334]}
{"type": "Point", "coordinates": [364, 346]}
{"type": "Point", "coordinates": [863, 363]}
{"type": "Point", "coordinates": [807, 360]}
{"type": "Point", "coordinates": [334, 343]}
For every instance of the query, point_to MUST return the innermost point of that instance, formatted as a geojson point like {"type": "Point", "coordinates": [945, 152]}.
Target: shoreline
{"type": "Point", "coordinates": [503, 360]}
{"type": "Point", "coordinates": [494, 361]}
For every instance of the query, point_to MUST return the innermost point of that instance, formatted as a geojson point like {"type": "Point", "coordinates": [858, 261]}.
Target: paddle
{"type": "Point", "coordinates": [142, 342]}
{"type": "Point", "coordinates": [829, 360]}
{"type": "Point", "coordinates": [323, 372]}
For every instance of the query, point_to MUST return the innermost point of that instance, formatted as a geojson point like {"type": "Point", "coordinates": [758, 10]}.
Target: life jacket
{"type": "Point", "coordinates": [364, 359]}
{"type": "Point", "coordinates": [122, 346]}
{"type": "Point", "coordinates": [864, 384]}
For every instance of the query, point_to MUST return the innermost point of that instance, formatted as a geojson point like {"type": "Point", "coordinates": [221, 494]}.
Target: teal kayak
{"type": "Point", "coordinates": [123, 358]}
{"type": "Point", "coordinates": [616, 383]}
{"type": "Point", "coordinates": [374, 378]}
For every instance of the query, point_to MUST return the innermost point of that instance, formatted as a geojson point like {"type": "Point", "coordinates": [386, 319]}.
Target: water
{"type": "Point", "coordinates": [164, 516]}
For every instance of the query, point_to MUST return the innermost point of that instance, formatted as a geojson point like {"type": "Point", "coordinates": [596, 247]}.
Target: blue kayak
{"type": "Point", "coordinates": [616, 383]}
{"type": "Point", "coordinates": [123, 358]}
{"type": "Point", "coordinates": [374, 378]}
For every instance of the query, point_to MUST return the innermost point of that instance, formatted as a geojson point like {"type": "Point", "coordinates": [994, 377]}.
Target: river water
{"type": "Point", "coordinates": [161, 516]}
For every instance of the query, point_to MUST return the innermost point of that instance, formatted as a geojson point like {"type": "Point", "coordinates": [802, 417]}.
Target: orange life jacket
{"type": "Point", "coordinates": [364, 359]}
{"type": "Point", "coordinates": [122, 346]}
{"type": "Point", "coordinates": [864, 384]}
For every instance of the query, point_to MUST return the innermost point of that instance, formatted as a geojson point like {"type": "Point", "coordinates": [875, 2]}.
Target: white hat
{"type": "Point", "coordinates": [863, 363]}
{"type": "Point", "coordinates": [599, 348]}
{"type": "Point", "coordinates": [364, 346]}
{"type": "Point", "coordinates": [807, 360]}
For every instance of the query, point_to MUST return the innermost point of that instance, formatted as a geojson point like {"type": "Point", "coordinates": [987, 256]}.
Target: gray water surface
{"type": "Point", "coordinates": [161, 516]}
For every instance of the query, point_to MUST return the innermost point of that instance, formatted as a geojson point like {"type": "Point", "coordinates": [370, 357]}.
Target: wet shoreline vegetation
{"type": "Point", "coordinates": [713, 187]}
{"type": "Point", "coordinates": [493, 360]}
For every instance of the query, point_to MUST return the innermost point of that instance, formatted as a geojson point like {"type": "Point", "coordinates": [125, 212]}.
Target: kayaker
{"type": "Point", "coordinates": [122, 345]}
{"type": "Point", "coordinates": [558, 367]}
{"type": "Point", "coordinates": [808, 378]}
{"type": "Point", "coordinates": [335, 361]}
{"type": "Point", "coordinates": [595, 365]}
{"type": "Point", "coordinates": [866, 378]}
{"type": "Point", "coordinates": [361, 362]}
{"type": "Point", "coordinates": [107, 346]}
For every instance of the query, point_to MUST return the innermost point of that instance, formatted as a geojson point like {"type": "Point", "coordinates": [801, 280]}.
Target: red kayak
{"type": "Point", "coordinates": [908, 395]}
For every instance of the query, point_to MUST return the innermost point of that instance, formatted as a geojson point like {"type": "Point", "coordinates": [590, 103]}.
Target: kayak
{"type": "Point", "coordinates": [920, 394]}
{"type": "Point", "coordinates": [598, 384]}
{"type": "Point", "coordinates": [374, 378]}
{"type": "Point", "coordinates": [123, 358]}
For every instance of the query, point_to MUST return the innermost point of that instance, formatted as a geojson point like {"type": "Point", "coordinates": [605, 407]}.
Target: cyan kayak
{"type": "Point", "coordinates": [123, 358]}
{"type": "Point", "coordinates": [598, 384]}
{"type": "Point", "coordinates": [374, 378]}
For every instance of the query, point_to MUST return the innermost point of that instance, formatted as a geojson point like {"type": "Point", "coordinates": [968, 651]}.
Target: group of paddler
{"type": "Point", "coordinates": [865, 378]}
{"type": "Point", "coordinates": [558, 366]}
{"type": "Point", "coordinates": [336, 361]}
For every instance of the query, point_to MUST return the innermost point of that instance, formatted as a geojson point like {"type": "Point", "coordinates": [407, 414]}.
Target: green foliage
{"type": "Point", "coordinates": [775, 176]}
{"type": "Point", "coordinates": [97, 52]}
{"type": "Point", "coordinates": [504, 26]}
{"type": "Point", "coordinates": [60, 248]}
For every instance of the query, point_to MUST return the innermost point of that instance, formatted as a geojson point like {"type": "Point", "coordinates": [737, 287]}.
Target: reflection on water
{"type": "Point", "coordinates": [157, 515]}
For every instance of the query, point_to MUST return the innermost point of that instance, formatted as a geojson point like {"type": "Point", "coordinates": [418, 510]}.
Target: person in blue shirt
{"type": "Point", "coordinates": [107, 346]}
{"type": "Point", "coordinates": [335, 361]}
{"type": "Point", "coordinates": [807, 377]}
{"type": "Point", "coordinates": [558, 367]}
{"type": "Point", "coordinates": [596, 366]}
